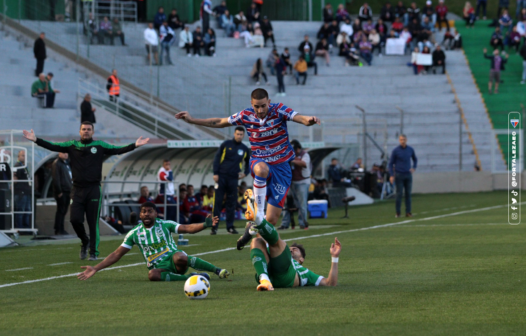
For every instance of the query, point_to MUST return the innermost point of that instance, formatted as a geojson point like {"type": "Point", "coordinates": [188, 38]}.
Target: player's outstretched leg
{"type": "Point", "coordinates": [260, 259]}
{"type": "Point", "coordinates": [250, 232]}
{"type": "Point", "coordinates": [201, 265]}
{"type": "Point", "coordinates": [261, 172]}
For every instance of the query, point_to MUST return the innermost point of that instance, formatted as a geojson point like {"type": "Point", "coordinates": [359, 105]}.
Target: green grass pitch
{"type": "Point", "coordinates": [456, 268]}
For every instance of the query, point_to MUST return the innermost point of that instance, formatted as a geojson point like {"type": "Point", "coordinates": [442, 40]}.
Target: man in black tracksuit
{"type": "Point", "coordinates": [86, 158]}
{"type": "Point", "coordinates": [227, 171]}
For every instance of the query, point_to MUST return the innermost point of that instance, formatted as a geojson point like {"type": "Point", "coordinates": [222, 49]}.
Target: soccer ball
{"type": "Point", "coordinates": [196, 287]}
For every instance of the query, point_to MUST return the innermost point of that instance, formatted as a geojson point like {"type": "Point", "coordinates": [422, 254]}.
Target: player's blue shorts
{"type": "Point", "coordinates": [278, 181]}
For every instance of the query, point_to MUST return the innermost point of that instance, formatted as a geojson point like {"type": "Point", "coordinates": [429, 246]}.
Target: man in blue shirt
{"type": "Point", "coordinates": [401, 173]}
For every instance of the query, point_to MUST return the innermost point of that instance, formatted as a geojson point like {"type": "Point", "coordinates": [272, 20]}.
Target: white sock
{"type": "Point", "coordinates": [260, 194]}
{"type": "Point", "coordinates": [264, 277]}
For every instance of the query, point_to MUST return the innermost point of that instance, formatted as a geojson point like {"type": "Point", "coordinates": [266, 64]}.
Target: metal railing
{"type": "Point", "coordinates": [123, 10]}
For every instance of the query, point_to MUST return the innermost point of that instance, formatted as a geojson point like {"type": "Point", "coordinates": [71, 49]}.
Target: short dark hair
{"type": "Point", "coordinates": [296, 144]}
{"type": "Point", "coordinates": [240, 128]}
{"type": "Point", "coordinates": [182, 190]}
{"type": "Point", "coordinates": [166, 160]}
{"type": "Point", "coordinates": [149, 205]}
{"type": "Point", "coordinates": [299, 247]}
{"type": "Point", "coordinates": [211, 187]}
{"type": "Point", "coordinates": [259, 94]}
{"type": "Point", "coordinates": [87, 123]}
{"type": "Point", "coordinates": [334, 159]}
{"type": "Point", "coordinates": [204, 186]}
{"type": "Point", "coordinates": [188, 186]}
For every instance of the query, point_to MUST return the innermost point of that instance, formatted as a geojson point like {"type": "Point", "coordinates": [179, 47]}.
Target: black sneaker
{"type": "Point", "coordinates": [92, 257]}
{"type": "Point", "coordinates": [213, 232]}
{"type": "Point", "coordinates": [250, 231]}
{"type": "Point", "coordinates": [204, 275]}
{"type": "Point", "coordinates": [83, 252]}
{"type": "Point", "coordinates": [232, 230]}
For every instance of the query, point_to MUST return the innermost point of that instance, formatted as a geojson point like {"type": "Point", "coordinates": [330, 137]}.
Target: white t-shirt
{"type": "Point", "coordinates": [150, 37]}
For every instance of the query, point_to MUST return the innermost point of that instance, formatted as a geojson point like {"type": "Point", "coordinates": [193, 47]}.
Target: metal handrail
{"type": "Point", "coordinates": [116, 9]}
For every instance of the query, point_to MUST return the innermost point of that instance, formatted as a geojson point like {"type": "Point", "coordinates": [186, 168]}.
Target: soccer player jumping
{"type": "Point", "coordinates": [154, 238]}
{"type": "Point", "coordinates": [266, 126]}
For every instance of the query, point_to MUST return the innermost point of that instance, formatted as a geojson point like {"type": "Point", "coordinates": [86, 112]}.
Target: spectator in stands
{"type": "Point", "coordinates": [49, 78]}
{"type": "Point", "coordinates": [401, 172]}
{"type": "Point", "coordinates": [335, 30]}
{"type": "Point", "coordinates": [22, 192]}
{"type": "Point", "coordinates": [258, 72]}
{"type": "Point", "coordinates": [426, 50]}
{"type": "Point", "coordinates": [334, 173]}
{"type": "Point", "coordinates": [442, 11]}
{"type": "Point", "coordinates": [429, 12]}
{"type": "Point", "coordinates": [347, 28]}
{"type": "Point", "coordinates": [145, 195]}
{"type": "Point", "coordinates": [457, 41]}
{"type": "Point", "coordinates": [382, 30]}
{"type": "Point", "coordinates": [39, 50]}
{"type": "Point", "coordinates": [271, 61]}
{"type": "Point", "coordinates": [204, 13]}
{"type": "Point", "coordinates": [159, 18]}
{"type": "Point", "coordinates": [305, 41]}
{"type": "Point", "coordinates": [342, 13]}
{"type": "Point", "coordinates": [483, 4]}
{"type": "Point", "coordinates": [496, 39]}
{"type": "Point", "coordinates": [523, 55]}
{"type": "Point", "coordinates": [113, 86]}
{"type": "Point", "coordinates": [186, 40]}
{"type": "Point", "coordinates": [198, 41]}
{"type": "Point", "coordinates": [93, 30]}
{"type": "Point", "coordinates": [40, 89]}
{"type": "Point", "coordinates": [357, 29]}
{"type": "Point", "coordinates": [322, 49]}
{"type": "Point", "coordinates": [398, 25]}
{"type": "Point", "coordinates": [209, 199]}
{"type": "Point", "coordinates": [343, 38]}
{"type": "Point", "coordinates": [218, 11]}
{"type": "Point", "coordinates": [152, 43]}
{"type": "Point", "coordinates": [428, 30]}
{"type": "Point", "coordinates": [387, 13]}
{"type": "Point", "coordinates": [193, 207]}
{"type": "Point", "coordinates": [173, 20]}
{"type": "Point", "coordinates": [210, 43]}
{"type": "Point", "coordinates": [365, 13]}
{"type": "Point", "coordinates": [253, 35]}
{"type": "Point", "coordinates": [366, 50]}
{"type": "Point", "coordinates": [448, 40]}
{"type": "Point", "coordinates": [505, 23]}
{"type": "Point", "coordinates": [521, 5]}
{"type": "Point", "coordinates": [368, 27]}
{"type": "Point", "coordinates": [469, 14]}
{"type": "Point", "coordinates": [413, 12]}
{"type": "Point", "coordinates": [62, 185]}
{"type": "Point", "coordinates": [514, 40]}
{"type": "Point", "coordinates": [521, 27]}
{"type": "Point", "coordinates": [400, 11]}
{"type": "Point", "coordinates": [497, 65]}
{"type": "Point", "coordinates": [167, 37]}
{"type": "Point", "coordinates": [105, 29]}
{"type": "Point", "coordinates": [253, 13]}
{"type": "Point", "coordinates": [268, 31]}
{"type": "Point", "coordinates": [87, 112]}
{"type": "Point", "coordinates": [286, 58]}
{"type": "Point", "coordinates": [227, 23]}
{"type": "Point", "coordinates": [183, 219]}
{"type": "Point", "coordinates": [376, 42]}
{"type": "Point", "coordinates": [328, 13]}
{"type": "Point", "coordinates": [166, 176]}
{"type": "Point", "coordinates": [116, 30]}
{"type": "Point", "coordinates": [239, 19]}
{"type": "Point", "coordinates": [414, 56]}
{"type": "Point", "coordinates": [280, 68]}
{"type": "Point", "coordinates": [308, 55]}
{"type": "Point", "coordinates": [351, 54]}
{"type": "Point", "coordinates": [406, 36]}
{"type": "Point", "coordinates": [301, 70]}
{"type": "Point", "coordinates": [522, 15]}
{"type": "Point", "coordinates": [202, 193]}
{"type": "Point", "coordinates": [439, 59]}
{"type": "Point", "coordinates": [503, 4]}
{"type": "Point", "coordinates": [326, 33]}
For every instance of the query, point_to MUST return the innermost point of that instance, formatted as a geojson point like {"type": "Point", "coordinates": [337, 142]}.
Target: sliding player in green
{"type": "Point", "coordinates": [281, 266]}
{"type": "Point", "coordinates": [154, 238]}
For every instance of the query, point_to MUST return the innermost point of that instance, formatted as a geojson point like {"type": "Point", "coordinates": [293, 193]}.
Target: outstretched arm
{"type": "Point", "coordinates": [61, 147]}
{"type": "Point", "coordinates": [306, 120]}
{"type": "Point", "coordinates": [108, 261]}
{"type": "Point", "coordinates": [332, 279]}
{"type": "Point", "coordinates": [210, 122]}
{"type": "Point", "coordinates": [194, 228]}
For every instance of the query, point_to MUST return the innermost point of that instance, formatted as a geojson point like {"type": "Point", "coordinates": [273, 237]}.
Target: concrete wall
{"type": "Point", "coordinates": [456, 182]}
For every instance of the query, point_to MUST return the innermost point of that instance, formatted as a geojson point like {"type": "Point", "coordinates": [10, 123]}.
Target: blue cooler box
{"type": "Point", "coordinates": [318, 209]}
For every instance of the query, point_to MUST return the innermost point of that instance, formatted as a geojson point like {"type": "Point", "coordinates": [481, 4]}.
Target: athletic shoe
{"type": "Point", "coordinates": [213, 232]}
{"type": "Point", "coordinates": [83, 252]}
{"type": "Point", "coordinates": [397, 216]}
{"type": "Point", "coordinates": [265, 286]}
{"type": "Point", "coordinates": [409, 214]}
{"type": "Point", "coordinates": [204, 275]}
{"type": "Point", "coordinates": [250, 231]}
{"type": "Point", "coordinates": [250, 214]}
{"type": "Point", "coordinates": [92, 257]}
{"type": "Point", "coordinates": [232, 230]}
{"type": "Point", "coordinates": [224, 274]}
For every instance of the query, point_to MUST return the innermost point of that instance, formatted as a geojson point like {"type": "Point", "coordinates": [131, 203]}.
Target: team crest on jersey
{"type": "Point", "coordinates": [270, 123]}
{"type": "Point", "coordinates": [240, 152]}
{"type": "Point", "coordinates": [94, 150]}
{"type": "Point", "coordinates": [279, 188]}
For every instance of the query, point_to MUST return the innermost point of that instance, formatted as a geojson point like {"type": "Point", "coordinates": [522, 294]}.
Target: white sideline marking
{"type": "Point", "coordinates": [298, 238]}
{"type": "Point", "coordinates": [62, 263]}
{"type": "Point", "coordinates": [429, 225]}
{"type": "Point", "coordinates": [19, 269]}
{"type": "Point", "coordinates": [445, 209]}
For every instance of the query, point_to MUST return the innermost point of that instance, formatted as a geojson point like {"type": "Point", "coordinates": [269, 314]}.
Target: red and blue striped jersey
{"type": "Point", "coordinates": [269, 138]}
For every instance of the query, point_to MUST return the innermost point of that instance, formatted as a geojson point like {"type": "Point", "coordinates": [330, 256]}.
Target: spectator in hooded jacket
{"type": "Point", "coordinates": [439, 59]}
{"type": "Point", "coordinates": [387, 13]}
{"type": "Point", "coordinates": [159, 18]}
{"type": "Point", "coordinates": [167, 37]}
{"type": "Point", "coordinates": [365, 13]}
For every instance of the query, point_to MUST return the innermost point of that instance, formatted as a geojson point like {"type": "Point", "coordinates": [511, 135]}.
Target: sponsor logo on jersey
{"type": "Point", "coordinates": [279, 188]}
{"type": "Point", "coordinates": [94, 150]}
{"type": "Point", "coordinates": [156, 256]}
{"type": "Point", "coordinates": [269, 151]}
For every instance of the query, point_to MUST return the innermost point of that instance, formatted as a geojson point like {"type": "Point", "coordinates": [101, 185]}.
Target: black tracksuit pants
{"type": "Point", "coordinates": [226, 187]}
{"type": "Point", "coordinates": [62, 209]}
{"type": "Point", "coordinates": [87, 200]}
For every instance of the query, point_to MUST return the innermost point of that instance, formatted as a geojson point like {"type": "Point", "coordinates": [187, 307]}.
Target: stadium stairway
{"type": "Point", "coordinates": [201, 85]}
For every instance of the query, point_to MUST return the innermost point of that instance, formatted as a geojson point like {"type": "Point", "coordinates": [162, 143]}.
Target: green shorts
{"type": "Point", "coordinates": [281, 271]}
{"type": "Point", "coordinates": [167, 263]}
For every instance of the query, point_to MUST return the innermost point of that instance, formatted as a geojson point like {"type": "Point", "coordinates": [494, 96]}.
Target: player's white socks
{"type": "Point", "coordinates": [260, 194]}
{"type": "Point", "coordinates": [264, 277]}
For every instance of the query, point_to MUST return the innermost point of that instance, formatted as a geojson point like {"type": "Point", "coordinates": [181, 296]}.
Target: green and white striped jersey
{"type": "Point", "coordinates": [307, 278]}
{"type": "Point", "coordinates": [155, 243]}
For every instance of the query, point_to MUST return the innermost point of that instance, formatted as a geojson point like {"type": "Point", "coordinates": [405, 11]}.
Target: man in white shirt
{"type": "Point", "coordinates": [347, 28]}
{"type": "Point", "coordinates": [152, 42]}
{"type": "Point", "coordinates": [301, 171]}
{"type": "Point", "coordinates": [186, 40]}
